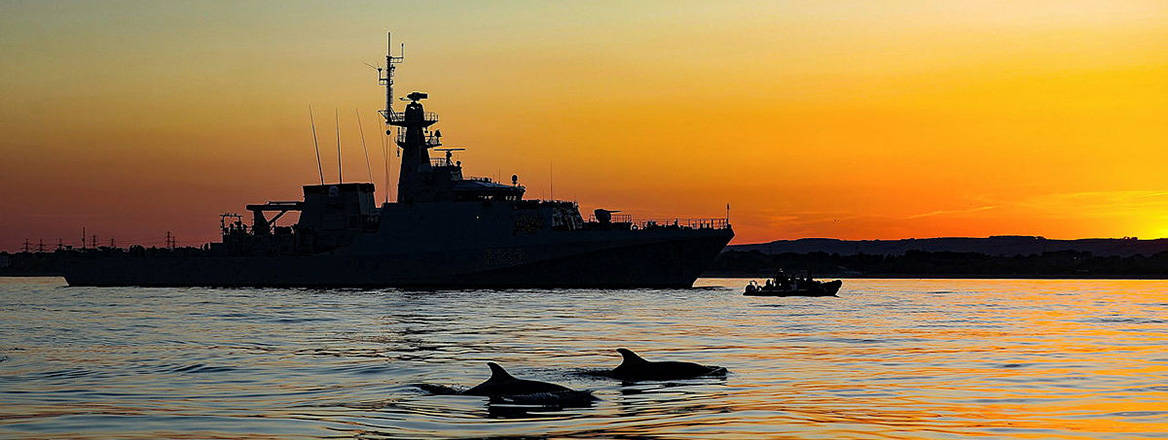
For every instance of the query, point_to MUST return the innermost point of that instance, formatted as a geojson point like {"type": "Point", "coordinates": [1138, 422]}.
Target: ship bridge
{"type": "Point", "coordinates": [426, 179]}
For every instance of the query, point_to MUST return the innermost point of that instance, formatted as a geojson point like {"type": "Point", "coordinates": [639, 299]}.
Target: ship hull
{"type": "Point", "coordinates": [654, 261]}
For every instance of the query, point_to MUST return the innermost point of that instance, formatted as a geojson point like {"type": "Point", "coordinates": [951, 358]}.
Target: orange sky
{"type": "Point", "coordinates": [854, 120]}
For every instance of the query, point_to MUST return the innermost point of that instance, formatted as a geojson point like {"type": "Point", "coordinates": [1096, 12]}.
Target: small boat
{"type": "Point", "coordinates": [793, 285]}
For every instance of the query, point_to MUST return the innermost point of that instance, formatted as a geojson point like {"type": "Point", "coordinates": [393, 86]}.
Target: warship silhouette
{"type": "Point", "coordinates": [445, 230]}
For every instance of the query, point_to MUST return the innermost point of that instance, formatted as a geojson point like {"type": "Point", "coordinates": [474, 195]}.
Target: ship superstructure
{"type": "Point", "coordinates": [444, 230]}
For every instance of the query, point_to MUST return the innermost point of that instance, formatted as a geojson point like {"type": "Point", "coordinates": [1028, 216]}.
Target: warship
{"type": "Point", "coordinates": [444, 230]}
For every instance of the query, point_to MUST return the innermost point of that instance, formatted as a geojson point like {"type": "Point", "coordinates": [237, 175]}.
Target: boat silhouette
{"type": "Point", "coordinates": [444, 230]}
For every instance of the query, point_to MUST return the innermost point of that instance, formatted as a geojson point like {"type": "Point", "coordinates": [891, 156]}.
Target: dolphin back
{"type": "Point", "coordinates": [630, 359]}
{"type": "Point", "coordinates": [498, 373]}
{"type": "Point", "coordinates": [503, 383]}
{"type": "Point", "coordinates": [635, 367]}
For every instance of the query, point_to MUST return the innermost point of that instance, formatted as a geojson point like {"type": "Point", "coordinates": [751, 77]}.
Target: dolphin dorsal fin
{"type": "Point", "coordinates": [630, 358]}
{"type": "Point", "coordinates": [498, 373]}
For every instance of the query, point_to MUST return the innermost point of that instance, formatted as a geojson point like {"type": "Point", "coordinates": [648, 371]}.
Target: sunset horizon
{"type": "Point", "coordinates": [852, 121]}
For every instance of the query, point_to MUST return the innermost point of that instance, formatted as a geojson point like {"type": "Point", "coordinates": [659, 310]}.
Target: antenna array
{"type": "Point", "coordinates": [385, 74]}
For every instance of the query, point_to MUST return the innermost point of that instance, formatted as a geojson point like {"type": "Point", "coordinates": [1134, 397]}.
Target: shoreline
{"type": "Point", "coordinates": [822, 276]}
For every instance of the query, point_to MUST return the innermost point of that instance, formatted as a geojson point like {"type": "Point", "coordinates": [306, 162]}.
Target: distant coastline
{"type": "Point", "coordinates": [998, 245]}
{"type": "Point", "coordinates": [1020, 257]}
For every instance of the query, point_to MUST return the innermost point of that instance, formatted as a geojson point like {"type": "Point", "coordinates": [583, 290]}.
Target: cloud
{"type": "Point", "coordinates": [944, 212]}
{"type": "Point", "coordinates": [1100, 203]}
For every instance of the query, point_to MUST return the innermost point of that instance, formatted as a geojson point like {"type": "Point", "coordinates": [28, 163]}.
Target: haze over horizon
{"type": "Point", "coordinates": [850, 120]}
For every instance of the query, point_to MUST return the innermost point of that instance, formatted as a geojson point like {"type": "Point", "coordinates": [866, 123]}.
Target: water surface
{"type": "Point", "coordinates": [887, 359]}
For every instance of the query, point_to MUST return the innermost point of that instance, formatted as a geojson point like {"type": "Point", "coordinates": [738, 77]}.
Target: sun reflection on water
{"type": "Point", "coordinates": [887, 359]}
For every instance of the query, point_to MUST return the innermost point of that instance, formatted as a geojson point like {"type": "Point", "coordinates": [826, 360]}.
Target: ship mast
{"type": "Point", "coordinates": [385, 75]}
{"type": "Point", "coordinates": [414, 138]}
{"type": "Point", "coordinates": [385, 78]}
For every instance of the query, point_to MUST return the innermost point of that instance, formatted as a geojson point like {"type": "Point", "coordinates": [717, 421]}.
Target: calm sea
{"type": "Point", "coordinates": [887, 359]}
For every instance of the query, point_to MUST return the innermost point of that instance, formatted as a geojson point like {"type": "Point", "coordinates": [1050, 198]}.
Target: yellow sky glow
{"type": "Point", "coordinates": [853, 120]}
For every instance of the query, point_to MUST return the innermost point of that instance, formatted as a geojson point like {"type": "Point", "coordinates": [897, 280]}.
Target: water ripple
{"type": "Point", "coordinates": [887, 359]}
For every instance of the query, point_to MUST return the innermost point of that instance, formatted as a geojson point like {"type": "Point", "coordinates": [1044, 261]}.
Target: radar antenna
{"type": "Point", "coordinates": [449, 153]}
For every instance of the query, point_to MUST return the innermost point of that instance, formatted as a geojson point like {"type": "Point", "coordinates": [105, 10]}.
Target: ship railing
{"type": "Point", "coordinates": [431, 141]}
{"type": "Point", "coordinates": [441, 162]}
{"type": "Point", "coordinates": [616, 218]}
{"type": "Point", "coordinates": [400, 117]}
{"type": "Point", "coordinates": [687, 223]}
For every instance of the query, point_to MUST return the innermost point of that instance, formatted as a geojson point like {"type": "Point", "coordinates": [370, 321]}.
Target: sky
{"type": "Point", "coordinates": [852, 120]}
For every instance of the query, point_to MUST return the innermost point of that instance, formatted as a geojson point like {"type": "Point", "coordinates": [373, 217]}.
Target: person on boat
{"type": "Point", "coordinates": [752, 287]}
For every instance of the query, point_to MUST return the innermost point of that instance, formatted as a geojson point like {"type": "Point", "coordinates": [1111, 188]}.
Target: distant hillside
{"type": "Point", "coordinates": [1004, 245]}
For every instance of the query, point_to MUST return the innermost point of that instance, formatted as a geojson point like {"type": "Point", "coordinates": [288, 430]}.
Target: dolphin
{"type": "Point", "coordinates": [503, 387]}
{"type": "Point", "coordinates": [634, 367]}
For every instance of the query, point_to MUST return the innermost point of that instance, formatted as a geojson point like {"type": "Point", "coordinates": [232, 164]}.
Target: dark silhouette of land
{"type": "Point", "coordinates": [993, 257]}
{"type": "Point", "coordinates": [33, 264]}
{"type": "Point", "coordinates": [999, 245]}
